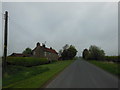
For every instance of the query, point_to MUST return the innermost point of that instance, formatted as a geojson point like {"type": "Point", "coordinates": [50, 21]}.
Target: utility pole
{"type": "Point", "coordinates": [5, 42]}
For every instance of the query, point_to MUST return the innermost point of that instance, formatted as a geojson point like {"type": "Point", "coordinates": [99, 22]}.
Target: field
{"type": "Point", "coordinates": [33, 77]}
{"type": "Point", "coordinates": [107, 66]}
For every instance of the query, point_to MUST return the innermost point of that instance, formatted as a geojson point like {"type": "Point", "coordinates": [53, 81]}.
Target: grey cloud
{"type": "Point", "coordinates": [79, 24]}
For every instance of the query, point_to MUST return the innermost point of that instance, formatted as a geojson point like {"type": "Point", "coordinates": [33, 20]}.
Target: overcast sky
{"type": "Point", "coordinates": [79, 24]}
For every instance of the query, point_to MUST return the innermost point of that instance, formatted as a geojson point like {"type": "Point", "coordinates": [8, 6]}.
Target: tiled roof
{"type": "Point", "coordinates": [50, 50]}
{"type": "Point", "coordinates": [47, 49]}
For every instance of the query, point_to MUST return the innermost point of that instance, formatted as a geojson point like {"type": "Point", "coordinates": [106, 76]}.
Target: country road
{"type": "Point", "coordinates": [82, 74]}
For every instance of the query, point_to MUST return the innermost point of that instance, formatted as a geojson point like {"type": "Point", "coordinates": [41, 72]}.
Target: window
{"type": "Point", "coordinates": [44, 53]}
{"type": "Point", "coordinates": [34, 53]}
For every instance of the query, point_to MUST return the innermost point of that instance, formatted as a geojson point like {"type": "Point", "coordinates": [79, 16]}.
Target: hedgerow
{"type": "Point", "coordinates": [26, 61]}
{"type": "Point", "coordinates": [112, 58]}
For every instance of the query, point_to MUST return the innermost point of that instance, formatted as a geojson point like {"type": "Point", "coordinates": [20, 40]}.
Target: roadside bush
{"type": "Point", "coordinates": [112, 58]}
{"type": "Point", "coordinates": [26, 61]}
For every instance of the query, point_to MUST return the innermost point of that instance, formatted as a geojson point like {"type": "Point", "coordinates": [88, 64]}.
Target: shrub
{"type": "Point", "coordinates": [112, 58]}
{"type": "Point", "coordinates": [26, 61]}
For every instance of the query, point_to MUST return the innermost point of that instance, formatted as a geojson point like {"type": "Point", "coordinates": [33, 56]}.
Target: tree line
{"type": "Point", "coordinates": [68, 52]}
{"type": "Point", "coordinates": [94, 53]}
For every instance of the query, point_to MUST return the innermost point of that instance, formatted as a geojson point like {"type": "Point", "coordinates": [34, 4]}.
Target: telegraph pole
{"type": "Point", "coordinates": [5, 42]}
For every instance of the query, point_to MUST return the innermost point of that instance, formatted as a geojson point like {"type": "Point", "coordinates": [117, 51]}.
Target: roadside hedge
{"type": "Point", "coordinates": [112, 58]}
{"type": "Point", "coordinates": [26, 61]}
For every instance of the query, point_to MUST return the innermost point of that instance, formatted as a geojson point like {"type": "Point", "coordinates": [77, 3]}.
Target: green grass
{"type": "Point", "coordinates": [107, 66]}
{"type": "Point", "coordinates": [17, 73]}
{"type": "Point", "coordinates": [37, 80]}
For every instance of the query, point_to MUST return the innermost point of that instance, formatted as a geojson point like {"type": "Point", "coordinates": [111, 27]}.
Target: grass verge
{"type": "Point", "coordinates": [112, 68]}
{"type": "Point", "coordinates": [18, 73]}
{"type": "Point", "coordinates": [38, 80]}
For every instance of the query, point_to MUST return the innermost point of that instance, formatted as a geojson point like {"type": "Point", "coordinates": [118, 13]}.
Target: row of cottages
{"type": "Point", "coordinates": [40, 51]}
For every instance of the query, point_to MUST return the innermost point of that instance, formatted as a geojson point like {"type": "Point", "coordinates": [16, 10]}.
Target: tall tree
{"type": "Point", "coordinates": [60, 52]}
{"type": "Point", "coordinates": [65, 47]}
{"type": "Point", "coordinates": [96, 53]}
{"type": "Point", "coordinates": [27, 51]}
{"type": "Point", "coordinates": [72, 52]}
{"type": "Point", "coordinates": [85, 54]}
{"type": "Point", "coordinates": [69, 52]}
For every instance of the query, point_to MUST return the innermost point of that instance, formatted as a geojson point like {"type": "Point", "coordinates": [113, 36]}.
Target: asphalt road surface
{"type": "Point", "coordinates": [81, 74]}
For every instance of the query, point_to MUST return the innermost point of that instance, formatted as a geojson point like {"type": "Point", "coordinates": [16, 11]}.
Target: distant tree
{"type": "Point", "coordinates": [69, 52]}
{"type": "Point", "coordinates": [65, 47]}
{"type": "Point", "coordinates": [72, 52]}
{"type": "Point", "coordinates": [60, 52]}
{"type": "Point", "coordinates": [85, 54]}
{"type": "Point", "coordinates": [96, 53]}
{"type": "Point", "coordinates": [64, 54]}
{"type": "Point", "coordinates": [27, 51]}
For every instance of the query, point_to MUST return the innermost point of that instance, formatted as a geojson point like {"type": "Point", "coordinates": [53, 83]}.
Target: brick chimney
{"type": "Point", "coordinates": [43, 45]}
{"type": "Point", "coordinates": [38, 44]}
